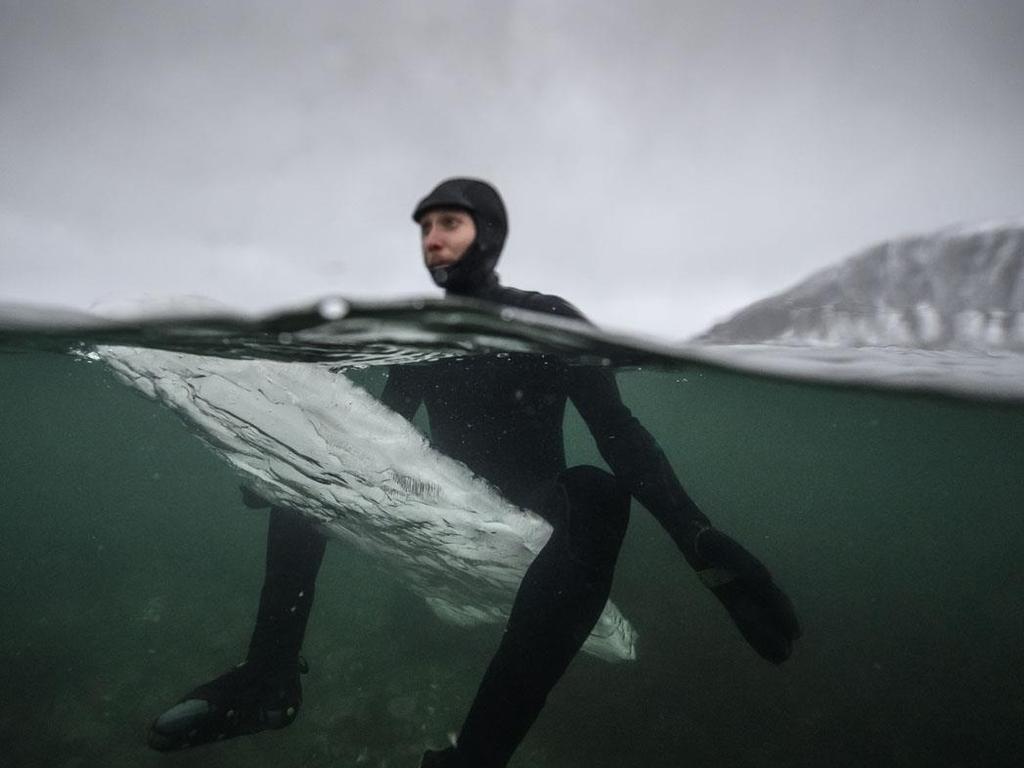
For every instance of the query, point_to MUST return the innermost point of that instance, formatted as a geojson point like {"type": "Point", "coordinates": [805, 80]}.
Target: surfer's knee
{"type": "Point", "coordinates": [596, 489]}
{"type": "Point", "coordinates": [598, 513]}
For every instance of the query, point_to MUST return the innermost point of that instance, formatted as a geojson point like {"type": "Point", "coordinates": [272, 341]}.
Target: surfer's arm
{"type": "Point", "coordinates": [761, 611]}
{"type": "Point", "coordinates": [402, 392]}
{"type": "Point", "coordinates": [630, 450]}
{"type": "Point", "coordinates": [633, 454]}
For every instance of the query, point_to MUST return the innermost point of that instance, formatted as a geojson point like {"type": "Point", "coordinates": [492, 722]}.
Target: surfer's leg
{"type": "Point", "coordinates": [558, 603]}
{"type": "Point", "coordinates": [295, 549]}
{"type": "Point", "coordinates": [263, 691]}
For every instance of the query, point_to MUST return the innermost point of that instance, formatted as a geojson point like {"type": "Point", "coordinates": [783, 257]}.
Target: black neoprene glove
{"type": "Point", "coordinates": [761, 611]}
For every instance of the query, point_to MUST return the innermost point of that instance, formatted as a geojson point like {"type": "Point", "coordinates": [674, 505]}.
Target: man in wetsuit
{"type": "Point", "coordinates": [501, 415]}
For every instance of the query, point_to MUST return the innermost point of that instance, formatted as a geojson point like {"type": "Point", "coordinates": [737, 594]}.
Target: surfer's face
{"type": "Point", "coordinates": [446, 234]}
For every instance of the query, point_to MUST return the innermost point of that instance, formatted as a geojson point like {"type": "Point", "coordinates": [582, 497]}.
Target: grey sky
{"type": "Point", "coordinates": [664, 163]}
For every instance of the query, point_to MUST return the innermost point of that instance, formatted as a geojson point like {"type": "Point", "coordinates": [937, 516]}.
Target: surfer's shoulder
{"type": "Point", "coordinates": [536, 301]}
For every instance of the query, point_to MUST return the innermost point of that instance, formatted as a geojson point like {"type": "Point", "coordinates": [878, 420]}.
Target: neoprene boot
{"type": "Point", "coordinates": [263, 691]}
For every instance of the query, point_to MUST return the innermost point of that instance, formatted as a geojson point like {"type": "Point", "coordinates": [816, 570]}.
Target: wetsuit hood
{"type": "Point", "coordinates": [475, 270]}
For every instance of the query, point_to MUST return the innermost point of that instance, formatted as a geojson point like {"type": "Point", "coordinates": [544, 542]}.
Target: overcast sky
{"type": "Point", "coordinates": [664, 162]}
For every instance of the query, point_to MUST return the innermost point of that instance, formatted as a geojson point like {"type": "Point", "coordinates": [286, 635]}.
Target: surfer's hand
{"type": "Point", "coordinates": [761, 611]}
{"type": "Point", "coordinates": [251, 499]}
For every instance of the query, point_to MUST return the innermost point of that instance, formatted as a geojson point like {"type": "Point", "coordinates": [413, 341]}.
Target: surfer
{"type": "Point", "coordinates": [501, 415]}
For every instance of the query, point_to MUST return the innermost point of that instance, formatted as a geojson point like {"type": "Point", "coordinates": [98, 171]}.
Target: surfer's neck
{"type": "Point", "coordinates": [479, 289]}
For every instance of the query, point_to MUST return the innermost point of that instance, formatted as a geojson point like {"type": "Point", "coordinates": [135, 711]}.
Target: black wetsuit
{"type": "Point", "coordinates": [501, 415]}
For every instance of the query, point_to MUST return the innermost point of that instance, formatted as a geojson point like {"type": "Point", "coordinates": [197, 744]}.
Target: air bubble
{"type": "Point", "coordinates": [333, 308]}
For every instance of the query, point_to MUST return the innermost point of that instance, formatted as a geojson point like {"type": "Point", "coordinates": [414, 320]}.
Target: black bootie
{"type": "Point", "coordinates": [264, 691]}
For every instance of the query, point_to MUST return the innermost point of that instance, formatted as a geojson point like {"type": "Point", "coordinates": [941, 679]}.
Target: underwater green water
{"type": "Point", "coordinates": [130, 571]}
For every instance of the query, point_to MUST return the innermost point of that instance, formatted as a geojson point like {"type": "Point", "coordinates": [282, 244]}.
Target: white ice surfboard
{"type": "Point", "coordinates": [307, 438]}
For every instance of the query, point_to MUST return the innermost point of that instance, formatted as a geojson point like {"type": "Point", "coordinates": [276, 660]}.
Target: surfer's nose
{"type": "Point", "coordinates": [433, 241]}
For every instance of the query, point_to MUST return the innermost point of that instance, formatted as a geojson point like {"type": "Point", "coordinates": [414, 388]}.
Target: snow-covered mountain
{"type": "Point", "coordinates": [959, 288]}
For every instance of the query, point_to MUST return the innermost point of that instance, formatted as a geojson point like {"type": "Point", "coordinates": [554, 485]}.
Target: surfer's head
{"type": "Point", "coordinates": [473, 268]}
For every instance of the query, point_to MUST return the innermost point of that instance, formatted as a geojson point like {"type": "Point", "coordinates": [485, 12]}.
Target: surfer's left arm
{"type": "Point", "coordinates": [630, 450]}
{"type": "Point", "coordinates": [761, 611]}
